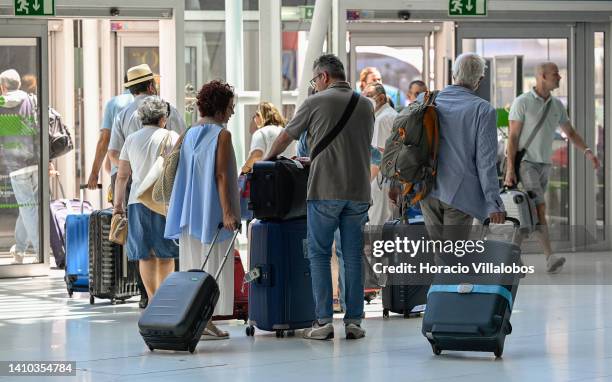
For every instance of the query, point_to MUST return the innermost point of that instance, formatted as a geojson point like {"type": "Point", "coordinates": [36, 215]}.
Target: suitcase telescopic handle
{"type": "Point", "coordinates": [229, 248]}
{"type": "Point", "coordinates": [82, 189]}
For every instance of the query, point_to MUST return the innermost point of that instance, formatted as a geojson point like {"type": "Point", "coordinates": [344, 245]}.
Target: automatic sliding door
{"type": "Point", "coordinates": [23, 204]}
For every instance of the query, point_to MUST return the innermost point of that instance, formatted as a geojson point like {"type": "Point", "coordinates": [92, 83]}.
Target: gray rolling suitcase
{"type": "Point", "coordinates": [520, 205]}
{"type": "Point", "coordinates": [472, 312]}
{"type": "Point", "coordinates": [182, 306]}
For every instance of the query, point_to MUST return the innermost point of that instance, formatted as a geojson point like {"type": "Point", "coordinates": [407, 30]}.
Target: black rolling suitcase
{"type": "Point", "coordinates": [400, 295]}
{"type": "Point", "coordinates": [182, 306]}
{"type": "Point", "coordinates": [278, 189]}
{"type": "Point", "coordinates": [472, 312]}
{"type": "Point", "coordinates": [111, 275]}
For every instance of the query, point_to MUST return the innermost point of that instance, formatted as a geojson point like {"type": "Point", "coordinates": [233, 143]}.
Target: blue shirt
{"type": "Point", "coordinates": [113, 107]}
{"type": "Point", "coordinates": [195, 205]}
{"type": "Point", "coordinates": [467, 172]}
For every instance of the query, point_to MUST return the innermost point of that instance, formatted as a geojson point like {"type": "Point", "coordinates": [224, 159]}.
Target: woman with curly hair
{"type": "Point", "coordinates": [205, 193]}
{"type": "Point", "coordinates": [266, 124]}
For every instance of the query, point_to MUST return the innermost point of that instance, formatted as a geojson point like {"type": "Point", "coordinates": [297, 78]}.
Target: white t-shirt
{"type": "Point", "coordinates": [264, 138]}
{"type": "Point", "coordinates": [383, 125]}
{"type": "Point", "coordinates": [141, 149]}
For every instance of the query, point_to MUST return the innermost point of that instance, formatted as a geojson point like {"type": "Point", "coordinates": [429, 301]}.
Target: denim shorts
{"type": "Point", "coordinates": [534, 177]}
{"type": "Point", "coordinates": [146, 234]}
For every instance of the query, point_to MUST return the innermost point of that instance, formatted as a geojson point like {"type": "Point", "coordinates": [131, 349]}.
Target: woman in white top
{"type": "Point", "coordinates": [266, 124]}
{"type": "Point", "coordinates": [145, 241]}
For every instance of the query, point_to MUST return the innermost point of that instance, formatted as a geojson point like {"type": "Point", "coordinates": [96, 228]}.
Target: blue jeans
{"type": "Point", "coordinates": [341, 282]}
{"type": "Point", "coordinates": [324, 217]}
{"type": "Point", "coordinates": [25, 188]}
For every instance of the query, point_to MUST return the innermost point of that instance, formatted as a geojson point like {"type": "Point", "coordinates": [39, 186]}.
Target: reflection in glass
{"type": "Point", "coordinates": [19, 152]}
{"type": "Point", "coordinates": [600, 112]}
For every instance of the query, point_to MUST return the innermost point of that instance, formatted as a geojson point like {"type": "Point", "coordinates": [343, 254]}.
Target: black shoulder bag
{"type": "Point", "coordinates": [520, 154]}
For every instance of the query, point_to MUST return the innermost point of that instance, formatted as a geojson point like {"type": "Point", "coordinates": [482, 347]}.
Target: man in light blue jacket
{"type": "Point", "coordinates": [466, 182]}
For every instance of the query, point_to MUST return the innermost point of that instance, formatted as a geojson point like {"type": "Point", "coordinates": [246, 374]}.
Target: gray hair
{"type": "Point", "coordinates": [152, 110]}
{"type": "Point", "coordinates": [468, 69]}
{"type": "Point", "coordinates": [10, 79]}
{"type": "Point", "coordinates": [330, 64]}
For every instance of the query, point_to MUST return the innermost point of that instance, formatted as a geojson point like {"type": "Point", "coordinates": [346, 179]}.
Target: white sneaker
{"type": "Point", "coordinates": [319, 332]}
{"type": "Point", "coordinates": [554, 264]}
{"type": "Point", "coordinates": [17, 256]}
{"type": "Point", "coordinates": [354, 331]}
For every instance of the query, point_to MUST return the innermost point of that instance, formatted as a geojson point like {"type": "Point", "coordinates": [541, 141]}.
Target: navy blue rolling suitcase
{"type": "Point", "coordinates": [182, 306]}
{"type": "Point", "coordinates": [280, 293]}
{"type": "Point", "coordinates": [77, 251]}
{"type": "Point", "coordinates": [472, 312]}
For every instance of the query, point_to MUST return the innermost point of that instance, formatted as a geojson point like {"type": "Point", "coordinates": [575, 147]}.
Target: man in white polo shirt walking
{"type": "Point", "coordinates": [538, 109]}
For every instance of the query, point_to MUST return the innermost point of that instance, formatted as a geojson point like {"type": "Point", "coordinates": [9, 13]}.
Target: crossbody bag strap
{"type": "Point", "coordinates": [538, 127]}
{"type": "Point", "coordinates": [337, 129]}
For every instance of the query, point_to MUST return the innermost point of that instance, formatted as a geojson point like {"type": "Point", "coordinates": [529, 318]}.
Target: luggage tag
{"type": "Point", "coordinates": [252, 275]}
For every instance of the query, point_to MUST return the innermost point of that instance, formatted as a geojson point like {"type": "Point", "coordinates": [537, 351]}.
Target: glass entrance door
{"type": "Point", "coordinates": [24, 207]}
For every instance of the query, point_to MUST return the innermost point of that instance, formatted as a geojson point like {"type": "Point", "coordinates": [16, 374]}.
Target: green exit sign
{"type": "Point", "coordinates": [467, 7]}
{"type": "Point", "coordinates": [34, 8]}
{"type": "Point", "coordinates": [306, 12]}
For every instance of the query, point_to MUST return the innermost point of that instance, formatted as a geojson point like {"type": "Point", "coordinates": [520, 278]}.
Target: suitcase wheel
{"type": "Point", "coordinates": [250, 331]}
{"type": "Point", "coordinates": [290, 333]}
{"type": "Point", "coordinates": [436, 350]}
{"type": "Point", "coordinates": [385, 313]}
{"type": "Point", "coordinates": [508, 328]}
{"type": "Point", "coordinates": [91, 300]}
{"type": "Point", "coordinates": [192, 347]}
{"type": "Point", "coordinates": [280, 333]}
{"type": "Point", "coordinates": [151, 348]}
{"type": "Point", "coordinates": [499, 350]}
{"type": "Point", "coordinates": [70, 291]}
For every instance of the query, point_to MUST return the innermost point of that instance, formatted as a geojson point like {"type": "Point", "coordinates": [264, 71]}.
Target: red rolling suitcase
{"type": "Point", "coordinates": [241, 293]}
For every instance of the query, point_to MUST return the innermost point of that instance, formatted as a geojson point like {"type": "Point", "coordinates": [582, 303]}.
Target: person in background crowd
{"type": "Point", "coordinates": [112, 108]}
{"type": "Point", "coordinates": [145, 242]}
{"type": "Point", "coordinates": [371, 75]}
{"type": "Point", "coordinates": [266, 124]}
{"type": "Point", "coordinates": [381, 210]}
{"type": "Point", "coordinates": [338, 191]}
{"type": "Point", "coordinates": [205, 193]}
{"type": "Point", "coordinates": [415, 88]}
{"type": "Point", "coordinates": [534, 171]}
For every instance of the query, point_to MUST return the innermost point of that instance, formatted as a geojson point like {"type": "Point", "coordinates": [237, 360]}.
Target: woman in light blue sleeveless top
{"type": "Point", "coordinates": [205, 193]}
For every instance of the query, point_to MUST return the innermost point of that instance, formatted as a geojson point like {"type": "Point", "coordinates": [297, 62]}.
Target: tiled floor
{"type": "Point", "coordinates": [561, 333]}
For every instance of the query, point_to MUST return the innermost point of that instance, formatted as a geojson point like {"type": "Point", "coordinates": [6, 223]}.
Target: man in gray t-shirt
{"type": "Point", "coordinates": [338, 190]}
{"type": "Point", "coordinates": [525, 114]}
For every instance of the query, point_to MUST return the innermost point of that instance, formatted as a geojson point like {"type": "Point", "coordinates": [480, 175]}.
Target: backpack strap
{"type": "Point", "coordinates": [337, 129]}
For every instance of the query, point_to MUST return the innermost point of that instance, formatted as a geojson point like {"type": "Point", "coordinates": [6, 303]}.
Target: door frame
{"type": "Point", "coordinates": [582, 214]}
{"type": "Point", "coordinates": [11, 28]}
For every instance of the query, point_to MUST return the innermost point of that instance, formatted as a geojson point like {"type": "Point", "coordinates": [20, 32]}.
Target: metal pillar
{"type": "Point", "coordinates": [270, 48]}
{"type": "Point", "coordinates": [234, 71]}
{"type": "Point", "coordinates": [316, 38]}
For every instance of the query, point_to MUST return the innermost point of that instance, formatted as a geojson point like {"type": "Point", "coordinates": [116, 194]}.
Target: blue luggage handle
{"type": "Point", "coordinates": [471, 288]}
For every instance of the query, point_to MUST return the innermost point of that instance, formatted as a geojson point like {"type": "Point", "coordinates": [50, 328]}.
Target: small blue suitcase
{"type": "Point", "coordinates": [280, 295]}
{"type": "Point", "coordinates": [77, 251]}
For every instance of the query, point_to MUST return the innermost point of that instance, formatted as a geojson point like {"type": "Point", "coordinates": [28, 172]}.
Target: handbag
{"type": "Point", "coordinates": [144, 194]}
{"type": "Point", "coordinates": [162, 189]}
{"type": "Point", "coordinates": [118, 229]}
{"type": "Point", "coordinates": [520, 154]}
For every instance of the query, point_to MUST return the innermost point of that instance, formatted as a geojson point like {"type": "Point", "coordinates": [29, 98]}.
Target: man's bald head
{"type": "Point", "coordinates": [547, 76]}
